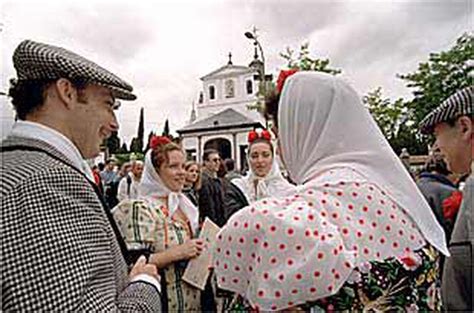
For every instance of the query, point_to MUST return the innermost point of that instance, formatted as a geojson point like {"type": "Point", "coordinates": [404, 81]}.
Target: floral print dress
{"type": "Point", "coordinates": [148, 223]}
{"type": "Point", "coordinates": [406, 284]}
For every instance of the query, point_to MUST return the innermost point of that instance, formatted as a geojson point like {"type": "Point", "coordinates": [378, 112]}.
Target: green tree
{"type": "Point", "coordinates": [136, 145]}
{"type": "Point", "coordinates": [305, 62]}
{"type": "Point", "coordinates": [151, 134]}
{"type": "Point", "coordinates": [387, 115]}
{"type": "Point", "coordinates": [443, 74]}
{"type": "Point", "coordinates": [392, 118]}
{"type": "Point", "coordinates": [166, 129]}
{"type": "Point", "coordinates": [141, 130]}
{"type": "Point", "coordinates": [113, 143]}
{"type": "Point", "coordinates": [123, 149]}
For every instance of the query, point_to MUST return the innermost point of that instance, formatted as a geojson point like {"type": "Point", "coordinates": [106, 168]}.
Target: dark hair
{"type": "Point", "coordinates": [222, 169]}
{"type": "Point", "coordinates": [101, 166]}
{"type": "Point", "coordinates": [29, 95]}
{"type": "Point", "coordinates": [437, 164]}
{"type": "Point", "coordinates": [207, 153]}
{"type": "Point", "coordinates": [229, 164]}
{"type": "Point", "coordinates": [108, 161]}
{"type": "Point", "coordinates": [452, 122]}
{"type": "Point", "coordinates": [271, 107]}
{"type": "Point", "coordinates": [261, 140]}
{"type": "Point", "coordinates": [187, 165]}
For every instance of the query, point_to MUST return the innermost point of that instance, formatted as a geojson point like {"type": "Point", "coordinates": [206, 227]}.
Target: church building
{"type": "Point", "coordinates": [222, 119]}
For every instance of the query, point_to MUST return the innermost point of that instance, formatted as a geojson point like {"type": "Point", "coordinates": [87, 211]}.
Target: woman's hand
{"type": "Point", "coordinates": [190, 249]}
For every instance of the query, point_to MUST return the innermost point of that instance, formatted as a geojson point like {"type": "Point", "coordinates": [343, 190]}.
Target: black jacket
{"type": "Point", "coordinates": [234, 200]}
{"type": "Point", "coordinates": [211, 200]}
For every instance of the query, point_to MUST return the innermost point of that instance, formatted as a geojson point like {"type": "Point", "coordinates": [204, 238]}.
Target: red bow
{"type": "Point", "coordinates": [451, 205]}
{"type": "Point", "coordinates": [284, 74]}
{"type": "Point", "coordinates": [156, 141]}
{"type": "Point", "coordinates": [263, 133]}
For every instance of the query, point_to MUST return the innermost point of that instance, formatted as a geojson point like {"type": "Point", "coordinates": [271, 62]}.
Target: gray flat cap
{"type": "Point", "coordinates": [458, 104]}
{"type": "Point", "coordinates": [34, 60]}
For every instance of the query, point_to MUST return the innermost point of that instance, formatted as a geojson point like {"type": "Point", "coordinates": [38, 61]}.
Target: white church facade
{"type": "Point", "coordinates": [222, 118]}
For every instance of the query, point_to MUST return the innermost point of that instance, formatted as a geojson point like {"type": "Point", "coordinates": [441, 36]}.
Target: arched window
{"type": "Point", "coordinates": [212, 92]}
{"type": "Point", "coordinates": [229, 88]}
{"type": "Point", "coordinates": [249, 86]}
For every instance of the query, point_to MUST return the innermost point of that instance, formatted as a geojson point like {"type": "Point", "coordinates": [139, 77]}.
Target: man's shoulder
{"type": "Point", "coordinates": [22, 167]}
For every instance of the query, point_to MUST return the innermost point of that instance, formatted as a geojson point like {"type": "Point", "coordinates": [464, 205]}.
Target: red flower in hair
{"type": "Point", "coordinates": [259, 133]}
{"type": "Point", "coordinates": [156, 141]}
{"type": "Point", "coordinates": [451, 205]}
{"type": "Point", "coordinates": [252, 136]}
{"type": "Point", "coordinates": [284, 74]}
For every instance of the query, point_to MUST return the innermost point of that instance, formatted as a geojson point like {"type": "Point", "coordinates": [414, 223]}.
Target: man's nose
{"type": "Point", "coordinates": [114, 125]}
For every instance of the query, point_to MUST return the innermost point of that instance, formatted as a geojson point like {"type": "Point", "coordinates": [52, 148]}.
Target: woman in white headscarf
{"type": "Point", "coordinates": [164, 221]}
{"type": "Point", "coordinates": [357, 235]}
{"type": "Point", "coordinates": [264, 178]}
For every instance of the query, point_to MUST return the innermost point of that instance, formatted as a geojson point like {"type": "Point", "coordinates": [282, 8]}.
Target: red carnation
{"type": "Point", "coordinates": [266, 135]}
{"type": "Point", "coordinates": [259, 133]}
{"type": "Point", "coordinates": [451, 205]}
{"type": "Point", "coordinates": [252, 136]}
{"type": "Point", "coordinates": [156, 141]}
{"type": "Point", "coordinates": [284, 74]}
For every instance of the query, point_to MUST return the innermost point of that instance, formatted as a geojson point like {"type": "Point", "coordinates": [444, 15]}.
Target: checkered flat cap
{"type": "Point", "coordinates": [34, 60]}
{"type": "Point", "coordinates": [458, 104]}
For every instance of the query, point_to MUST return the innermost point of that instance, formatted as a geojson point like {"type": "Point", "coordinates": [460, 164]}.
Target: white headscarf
{"type": "Point", "coordinates": [323, 125]}
{"type": "Point", "coordinates": [273, 184]}
{"type": "Point", "coordinates": [151, 186]}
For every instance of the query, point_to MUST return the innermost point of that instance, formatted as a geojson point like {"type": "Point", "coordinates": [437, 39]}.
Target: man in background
{"type": "Point", "coordinates": [453, 125]}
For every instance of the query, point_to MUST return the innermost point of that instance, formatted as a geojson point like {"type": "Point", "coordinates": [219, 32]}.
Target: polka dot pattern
{"type": "Point", "coordinates": [287, 242]}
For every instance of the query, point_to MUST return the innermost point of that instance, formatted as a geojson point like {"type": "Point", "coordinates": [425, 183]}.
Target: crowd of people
{"type": "Point", "coordinates": [348, 230]}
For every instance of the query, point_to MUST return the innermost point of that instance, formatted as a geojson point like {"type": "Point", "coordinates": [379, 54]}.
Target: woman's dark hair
{"type": "Point", "coordinates": [197, 183]}
{"type": "Point", "coordinates": [271, 107]}
{"type": "Point", "coordinates": [29, 95]}
{"type": "Point", "coordinates": [436, 164]}
{"type": "Point", "coordinates": [262, 140]}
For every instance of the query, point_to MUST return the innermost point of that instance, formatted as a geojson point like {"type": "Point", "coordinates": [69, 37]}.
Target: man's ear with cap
{"type": "Point", "coordinates": [466, 127]}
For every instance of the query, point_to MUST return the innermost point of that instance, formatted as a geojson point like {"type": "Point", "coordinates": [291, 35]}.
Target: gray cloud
{"type": "Point", "coordinates": [163, 48]}
{"type": "Point", "coordinates": [116, 31]}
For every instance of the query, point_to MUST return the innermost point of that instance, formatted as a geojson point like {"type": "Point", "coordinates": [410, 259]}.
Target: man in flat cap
{"type": "Point", "coordinates": [61, 250]}
{"type": "Point", "coordinates": [453, 125]}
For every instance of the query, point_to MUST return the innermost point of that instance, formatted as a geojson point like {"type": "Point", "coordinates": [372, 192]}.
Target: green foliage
{"type": "Point", "coordinates": [305, 62]}
{"type": "Point", "coordinates": [387, 115]}
{"type": "Point", "coordinates": [136, 145]}
{"type": "Point", "coordinates": [393, 120]}
{"type": "Point", "coordinates": [137, 142]}
{"type": "Point", "coordinates": [442, 75]}
{"type": "Point", "coordinates": [123, 149]}
{"type": "Point", "coordinates": [166, 129]}
{"type": "Point", "coordinates": [113, 143]}
{"type": "Point", "coordinates": [126, 157]}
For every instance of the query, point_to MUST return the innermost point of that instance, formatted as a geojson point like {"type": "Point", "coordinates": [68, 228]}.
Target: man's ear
{"type": "Point", "coordinates": [67, 93]}
{"type": "Point", "coordinates": [466, 127]}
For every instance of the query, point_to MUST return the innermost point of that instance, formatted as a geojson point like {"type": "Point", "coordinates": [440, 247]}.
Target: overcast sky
{"type": "Point", "coordinates": [163, 47]}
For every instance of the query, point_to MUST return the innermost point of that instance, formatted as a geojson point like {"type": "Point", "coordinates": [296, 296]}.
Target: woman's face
{"type": "Point", "coordinates": [192, 173]}
{"type": "Point", "coordinates": [172, 173]}
{"type": "Point", "coordinates": [261, 158]}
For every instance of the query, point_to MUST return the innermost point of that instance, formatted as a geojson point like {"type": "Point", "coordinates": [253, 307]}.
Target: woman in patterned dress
{"type": "Point", "coordinates": [357, 235]}
{"type": "Point", "coordinates": [164, 220]}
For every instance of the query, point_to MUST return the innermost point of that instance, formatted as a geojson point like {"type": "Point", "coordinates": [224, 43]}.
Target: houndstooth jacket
{"type": "Point", "coordinates": [59, 250]}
